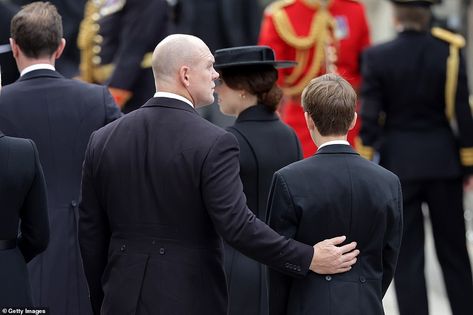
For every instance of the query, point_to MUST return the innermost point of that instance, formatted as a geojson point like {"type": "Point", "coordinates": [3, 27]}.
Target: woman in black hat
{"type": "Point", "coordinates": [249, 92]}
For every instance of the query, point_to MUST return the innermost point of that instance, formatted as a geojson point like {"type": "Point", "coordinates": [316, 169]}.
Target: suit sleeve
{"type": "Point", "coordinates": [464, 120]}
{"type": "Point", "coordinates": [371, 108]}
{"type": "Point", "coordinates": [223, 196]}
{"type": "Point", "coordinates": [112, 111]}
{"type": "Point", "coordinates": [283, 219]}
{"type": "Point", "coordinates": [34, 224]}
{"type": "Point", "coordinates": [143, 25]}
{"type": "Point", "coordinates": [392, 238]}
{"type": "Point", "coordinates": [94, 231]}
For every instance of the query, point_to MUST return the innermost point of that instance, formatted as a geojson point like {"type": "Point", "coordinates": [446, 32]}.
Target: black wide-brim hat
{"type": "Point", "coordinates": [424, 3]}
{"type": "Point", "coordinates": [249, 56]}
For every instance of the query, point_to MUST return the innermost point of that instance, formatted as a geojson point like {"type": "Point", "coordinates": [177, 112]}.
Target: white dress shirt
{"type": "Point", "coordinates": [174, 96]}
{"type": "Point", "coordinates": [37, 67]}
{"type": "Point", "coordinates": [334, 142]}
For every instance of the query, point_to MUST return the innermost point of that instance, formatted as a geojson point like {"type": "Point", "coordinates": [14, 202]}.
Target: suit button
{"type": "Point", "coordinates": [162, 251]}
{"type": "Point", "coordinates": [328, 278]}
{"type": "Point", "coordinates": [287, 265]}
{"type": "Point", "coordinates": [362, 279]}
{"type": "Point", "coordinates": [298, 268]}
{"type": "Point", "coordinates": [73, 203]}
{"type": "Point", "coordinates": [153, 242]}
{"type": "Point", "coordinates": [123, 248]}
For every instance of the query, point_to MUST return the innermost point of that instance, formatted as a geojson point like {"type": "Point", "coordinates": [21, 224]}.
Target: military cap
{"type": "Point", "coordinates": [248, 56]}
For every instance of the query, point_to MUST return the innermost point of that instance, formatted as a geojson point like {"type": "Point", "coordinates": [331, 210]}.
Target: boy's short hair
{"type": "Point", "coordinates": [330, 101]}
{"type": "Point", "coordinates": [37, 29]}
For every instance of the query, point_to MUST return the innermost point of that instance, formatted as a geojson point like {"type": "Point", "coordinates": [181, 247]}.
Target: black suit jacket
{"type": "Point", "coordinates": [59, 115]}
{"type": "Point", "coordinates": [337, 192]}
{"type": "Point", "coordinates": [23, 204]}
{"type": "Point", "coordinates": [403, 108]}
{"type": "Point", "coordinates": [160, 187]}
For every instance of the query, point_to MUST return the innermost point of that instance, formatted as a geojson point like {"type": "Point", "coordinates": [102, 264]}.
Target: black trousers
{"type": "Point", "coordinates": [444, 198]}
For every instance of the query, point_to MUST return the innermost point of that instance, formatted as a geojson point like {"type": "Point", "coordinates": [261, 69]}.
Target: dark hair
{"type": "Point", "coordinates": [256, 80]}
{"type": "Point", "coordinates": [416, 18]}
{"type": "Point", "coordinates": [330, 101]}
{"type": "Point", "coordinates": [37, 29]}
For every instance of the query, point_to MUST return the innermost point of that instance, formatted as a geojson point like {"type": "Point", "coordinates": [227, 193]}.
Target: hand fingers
{"type": "Point", "coordinates": [336, 240]}
{"type": "Point", "coordinates": [348, 247]}
{"type": "Point", "coordinates": [348, 263]}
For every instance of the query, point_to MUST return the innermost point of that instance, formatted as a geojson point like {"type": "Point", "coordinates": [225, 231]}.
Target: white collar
{"type": "Point", "coordinates": [334, 142]}
{"type": "Point", "coordinates": [175, 96]}
{"type": "Point", "coordinates": [37, 66]}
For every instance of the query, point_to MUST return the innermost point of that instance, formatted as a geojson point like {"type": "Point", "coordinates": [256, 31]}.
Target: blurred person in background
{"type": "Point", "coordinates": [220, 24]}
{"type": "Point", "coordinates": [248, 91]}
{"type": "Point", "coordinates": [59, 115]}
{"type": "Point", "coordinates": [116, 41]}
{"type": "Point", "coordinates": [323, 36]}
{"type": "Point", "coordinates": [24, 224]}
{"type": "Point", "coordinates": [416, 116]}
{"type": "Point", "coordinates": [7, 62]}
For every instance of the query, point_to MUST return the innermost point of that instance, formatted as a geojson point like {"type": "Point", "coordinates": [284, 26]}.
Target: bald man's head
{"type": "Point", "coordinates": [183, 64]}
{"type": "Point", "coordinates": [173, 52]}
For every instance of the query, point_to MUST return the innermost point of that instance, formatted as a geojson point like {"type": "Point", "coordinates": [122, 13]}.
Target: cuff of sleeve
{"type": "Point", "coordinates": [466, 156]}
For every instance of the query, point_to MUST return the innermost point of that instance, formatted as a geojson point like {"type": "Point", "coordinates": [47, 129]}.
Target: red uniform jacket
{"type": "Point", "coordinates": [321, 40]}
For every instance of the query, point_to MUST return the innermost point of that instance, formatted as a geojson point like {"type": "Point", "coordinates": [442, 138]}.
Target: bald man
{"type": "Point", "coordinates": [161, 188]}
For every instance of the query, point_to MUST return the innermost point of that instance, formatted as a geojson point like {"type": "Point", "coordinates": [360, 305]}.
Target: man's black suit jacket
{"type": "Point", "coordinates": [59, 115]}
{"type": "Point", "coordinates": [337, 192]}
{"type": "Point", "coordinates": [160, 188]}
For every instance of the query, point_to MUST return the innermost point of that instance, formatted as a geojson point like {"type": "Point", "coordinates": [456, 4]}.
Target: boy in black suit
{"type": "Point", "coordinates": [335, 192]}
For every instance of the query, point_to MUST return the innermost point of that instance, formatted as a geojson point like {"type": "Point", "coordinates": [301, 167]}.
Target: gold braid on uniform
{"type": "Point", "coordinates": [87, 31]}
{"type": "Point", "coordinates": [466, 156]}
{"type": "Point", "coordinates": [321, 32]}
{"type": "Point", "coordinates": [453, 63]}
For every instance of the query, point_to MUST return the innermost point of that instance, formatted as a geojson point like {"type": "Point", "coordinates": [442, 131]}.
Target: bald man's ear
{"type": "Point", "coordinates": [184, 75]}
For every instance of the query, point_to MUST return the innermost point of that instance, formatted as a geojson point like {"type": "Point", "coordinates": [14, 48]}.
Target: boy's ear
{"type": "Point", "coordinates": [353, 123]}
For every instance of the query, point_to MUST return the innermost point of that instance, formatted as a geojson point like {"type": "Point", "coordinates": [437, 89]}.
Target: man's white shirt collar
{"type": "Point", "coordinates": [37, 67]}
{"type": "Point", "coordinates": [334, 142]}
{"type": "Point", "coordinates": [174, 96]}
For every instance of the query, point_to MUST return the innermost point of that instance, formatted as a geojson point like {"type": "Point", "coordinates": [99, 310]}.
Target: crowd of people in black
{"type": "Point", "coordinates": [120, 193]}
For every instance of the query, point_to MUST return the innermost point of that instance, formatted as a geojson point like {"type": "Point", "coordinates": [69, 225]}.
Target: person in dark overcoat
{"type": "Point", "coordinates": [416, 116]}
{"type": "Point", "coordinates": [336, 191]}
{"type": "Point", "coordinates": [24, 205]}
{"type": "Point", "coordinates": [248, 91]}
{"type": "Point", "coordinates": [161, 188]}
{"type": "Point", "coordinates": [59, 115]}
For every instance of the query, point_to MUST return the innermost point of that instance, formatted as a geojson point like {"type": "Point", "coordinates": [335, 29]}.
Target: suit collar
{"type": "Point", "coordinates": [40, 73]}
{"type": "Point", "coordinates": [336, 149]}
{"type": "Point", "coordinates": [257, 112]}
{"type": "Point", "coordinates": [170, 103]}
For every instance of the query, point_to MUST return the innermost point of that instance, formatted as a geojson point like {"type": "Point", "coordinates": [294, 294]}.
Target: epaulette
{"type": "Point", "coordinates": [449, 37]}
{"type": "Point", "coordinates": [277, 5]}
{"type": "Point", "coordinates": [453, 64]}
